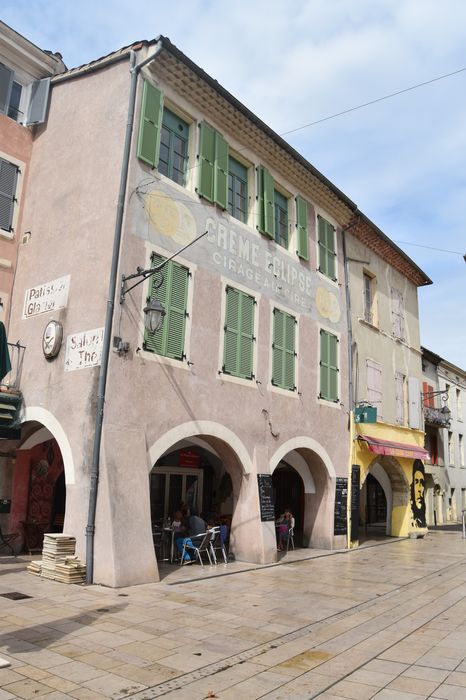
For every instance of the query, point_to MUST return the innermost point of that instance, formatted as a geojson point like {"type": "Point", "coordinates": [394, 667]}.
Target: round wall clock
{"type": "Point", "coordinates": [51, 340]}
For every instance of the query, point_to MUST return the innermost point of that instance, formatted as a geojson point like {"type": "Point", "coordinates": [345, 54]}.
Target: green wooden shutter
{"type": "Point", "coordinates": [327, 257]}
{"type": "Point", "coordinates": [150, 124]}
{"type": "Point", "coordinates": [246, 336]}
{"type": "Point", "coordinates": [277, 348]}
{"type": "Point", "coordinates": [265, 188]}
{"type": "Point", "coordinates": [239, 334]}
{"type": "Point", "coordinates": [221, 171]}
{"type": "Point", "coordinates": [230, 347]}
{"type": "Point", "coordinates": [289, 356]}
{"type": "Point", "coordinates": [213, 169]}
{"type": "Point", "coordinates": [205, 186]}
{"type": "Point", "coordinates": [283, 350]}
{"type": "Point", "coordinates": [169, 340]}
{"type": "Point", "coordinates": [328, 366]}
{"type": "Point", "coordinates": [301, 224]}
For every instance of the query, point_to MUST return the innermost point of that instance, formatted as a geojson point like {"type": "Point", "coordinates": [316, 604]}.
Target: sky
{"type": "Point", "coordinates": [401, 160]}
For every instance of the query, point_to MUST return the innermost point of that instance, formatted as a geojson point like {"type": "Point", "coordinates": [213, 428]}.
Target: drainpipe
{"type": "Point", "coordinates": [95, 466]}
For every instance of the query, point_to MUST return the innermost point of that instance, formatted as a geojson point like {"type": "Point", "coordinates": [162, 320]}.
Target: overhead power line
{"type": "Point", "coordinates": [372, 102]}
{"type": "Point", "coordinates": [419, 245]}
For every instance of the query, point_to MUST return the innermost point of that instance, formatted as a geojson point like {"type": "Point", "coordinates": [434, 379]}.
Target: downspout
{"type": "Point", "coordinates": [95, 466]}
{"type": "Point", "coordinates": [350, 380]}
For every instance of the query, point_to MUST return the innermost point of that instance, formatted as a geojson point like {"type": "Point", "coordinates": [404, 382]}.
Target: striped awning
{"type": "Point", "coordinates": [394, 449]}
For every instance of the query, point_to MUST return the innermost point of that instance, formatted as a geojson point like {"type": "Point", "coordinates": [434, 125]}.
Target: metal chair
{"type": "Point", "coordinates": [290, 538]}
{"type": "Point", "coordinates": [198, 549]}
{"type": "Point", "coordinates": [7, 539]}
{"type": "Point", "coordinates": [217, 543]}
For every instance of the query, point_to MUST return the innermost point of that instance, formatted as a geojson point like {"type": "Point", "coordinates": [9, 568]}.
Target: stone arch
{"type": "Point", "coordinates": [214, 434]}
{"type": "Point", "coordinates": [303, 443]}
{"type": "Point", "coordinates": [313, 464]}
{"type": "Point", "coordinates": [55, 429]}
{"type": "Point", "coordinates": [392, 478]}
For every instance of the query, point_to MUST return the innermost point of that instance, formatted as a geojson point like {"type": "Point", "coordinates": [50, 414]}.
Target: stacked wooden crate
{"type": "Point", "coordinates": [59, 562]}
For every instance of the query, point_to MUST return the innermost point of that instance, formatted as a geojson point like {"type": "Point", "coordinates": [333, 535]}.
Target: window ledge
{"type": "Point", "coordinates": [369, 325]}
{"type": "Point", "coordinates": [224, 377]}
{"type": "Point", "coordinates": [162, 360]}
{"type": "Point", "coordinates": [283, 392]}
{"type": "Point", "coordinates": [9, 235]}
{"type": "Point", "coordinates": [329, 404]}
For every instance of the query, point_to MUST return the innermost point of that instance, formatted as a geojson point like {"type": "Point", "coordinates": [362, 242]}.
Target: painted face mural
{"type": "Point", "coordinates": [418, 504]}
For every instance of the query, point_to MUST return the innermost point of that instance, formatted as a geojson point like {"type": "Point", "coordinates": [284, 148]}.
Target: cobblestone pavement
{"type": "Point", "coordinates": [385, 622]}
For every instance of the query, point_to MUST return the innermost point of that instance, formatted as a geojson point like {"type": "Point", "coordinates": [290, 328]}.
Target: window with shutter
{"type": "Point", "coordinates": [6, 86]}
{"type": "Point", "coordinates": [265, 196]}
{"type": "Point", "coordinates": [398, 322]}
{"type": "Point", "coordinates": [237, 190]}
{"type": "Point", "coordinates": [150, 124]}
{"type": "Point", "coordinates": [374, 385]}
{"type": "Point", "coordinates": [400, 380]}
{"type": "Point", "coordinates": [8, 178]}
{"type": "Point", "coordinates": [239, 334]}
{"type": "Point", "coordinates": [173, 293]}
{"type": "Point", "coordinates": [326, 246]}
{"type": "Point", "coordinates": [281, 219]}
{"type": "Point", "coordinates": [173, 157]}
{"type": "Point", "coordinates": [283, 350]}
{"type": "Point", "coordinates": [213, 170]}
{"type": "Point", "coordinates": [328, 366]}
{"type": "Point", "coordinates": [301, 225]}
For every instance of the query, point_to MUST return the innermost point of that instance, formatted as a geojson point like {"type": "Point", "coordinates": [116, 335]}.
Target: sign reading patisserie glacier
{"type": "Point", "coordinates": [84, 349]}
{"type": "Point", "coordinates": [49, 296]}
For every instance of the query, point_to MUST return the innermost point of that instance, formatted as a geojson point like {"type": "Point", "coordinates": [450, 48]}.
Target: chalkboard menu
{"type": "Point", "coordinates": [266, 497]}
{"type": "Point", "coordinates": [341, 503]}
{"type": "Point", "coordinates": [5, 506]}
{"type": "Point", "coordinates": [355, 477]}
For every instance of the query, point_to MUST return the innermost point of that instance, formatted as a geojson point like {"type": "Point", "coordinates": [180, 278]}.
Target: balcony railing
{"type": "Point", "coordinates": [437, 417]}
{"type": "Point", "coordinates": [13, 379]}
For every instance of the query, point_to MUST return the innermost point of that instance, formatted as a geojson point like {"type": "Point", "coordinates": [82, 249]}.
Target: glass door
{"type": "Point", "coordinates": [171, 486]}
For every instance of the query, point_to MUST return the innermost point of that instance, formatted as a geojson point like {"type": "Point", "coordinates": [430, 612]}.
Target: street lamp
{"type": "Point", "coordinates": [154, 311]}
{"type": "Point", "coordinates": [153, 315]}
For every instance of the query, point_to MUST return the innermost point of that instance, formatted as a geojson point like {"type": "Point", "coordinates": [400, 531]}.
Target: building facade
{"type": "Point", "coordinates": [239, 404]}
{"type": "Point", "coordinates": [387, 435]}
{"type": "Point", "coordinates": [25, 72]}
{"type": "Point", "coordinates": [452, 384]}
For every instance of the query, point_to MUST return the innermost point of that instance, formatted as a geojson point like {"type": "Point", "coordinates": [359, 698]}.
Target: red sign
{"type": "Point", "coordinates": [189, 458]}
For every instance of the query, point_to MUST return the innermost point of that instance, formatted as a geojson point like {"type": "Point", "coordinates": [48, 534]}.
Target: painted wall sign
{"type": "Point", "coordinates": [236, 252]}
{"type": "Point", "coordinates": [341, 502]}
{"type": "Point", "coordinates": [84, 349]}
{"type": "Point", "coordinates": [266, 497]}
{"type": "Point", "coordinates": [49, 296]}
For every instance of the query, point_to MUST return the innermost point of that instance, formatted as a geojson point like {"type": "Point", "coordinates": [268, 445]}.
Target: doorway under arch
{"type": "Point", "coordinates": [288, 493]}
{"type": "Point", "coordinates": [384, 499]}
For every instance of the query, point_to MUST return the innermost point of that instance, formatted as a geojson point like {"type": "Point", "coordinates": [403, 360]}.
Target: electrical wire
{"type": "Point", "coordinates": [372, 102]}
{"type": "Point", "coordinates": [419, 245]}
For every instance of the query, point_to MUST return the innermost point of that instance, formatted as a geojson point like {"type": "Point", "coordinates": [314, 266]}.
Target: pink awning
{"type": "Point", "coordinates": [395, 449]}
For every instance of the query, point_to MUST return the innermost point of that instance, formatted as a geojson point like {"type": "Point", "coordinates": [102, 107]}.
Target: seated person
{"type": "Point", "coordinates": [195, 526]}
{"type": "Point", "coordinates": [285, 523]}
{"type": "Point", "coordinates": [177, 520]}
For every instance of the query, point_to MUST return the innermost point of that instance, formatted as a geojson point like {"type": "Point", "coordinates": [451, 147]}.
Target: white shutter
{"type": "Point", "coordinates": [39, 101]}
{"type": "Point", "coordinates": [6, 83]}
{"type": "Point", "coordinates": [399, 398]}
{"type": "Point", "coordinates": [374, 385]}
{"type": "Point", "coordinates": [414, 397]}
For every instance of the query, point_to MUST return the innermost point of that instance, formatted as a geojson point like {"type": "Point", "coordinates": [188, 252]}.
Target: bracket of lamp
{"type": "Point", "coordinates": [153, 312]}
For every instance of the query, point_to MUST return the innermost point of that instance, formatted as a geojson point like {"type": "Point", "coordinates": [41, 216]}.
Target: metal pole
{"type": "Point", "coordinates": [464, 523]}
